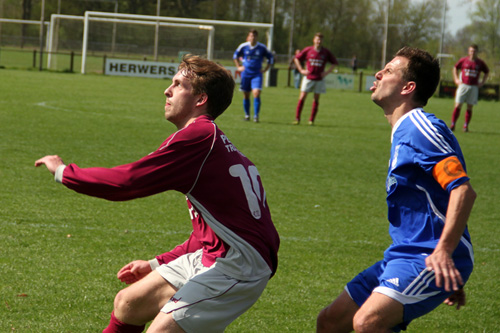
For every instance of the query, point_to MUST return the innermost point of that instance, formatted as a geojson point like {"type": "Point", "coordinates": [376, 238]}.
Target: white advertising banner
{"type": "Point", "coordinates": [151, 69]}
{"type": "Point", "coordinates": [369, 79]}
{"type": "Point", "coordinates": [340, 81]}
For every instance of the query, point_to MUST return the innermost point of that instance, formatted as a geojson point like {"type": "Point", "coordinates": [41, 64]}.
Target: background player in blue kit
{"type": "Point", "coordinates": [429, 199]}
{"type": "Point", "coordinates": [252, 53]}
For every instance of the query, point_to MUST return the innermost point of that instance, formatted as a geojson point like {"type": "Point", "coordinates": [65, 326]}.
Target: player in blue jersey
{"type": "Point", "coordinates": [251, 54]}
{"type": "Point", "coordinates": [429, 199]}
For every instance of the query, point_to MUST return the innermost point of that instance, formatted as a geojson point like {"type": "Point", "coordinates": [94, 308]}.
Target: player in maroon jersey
{"type": "Point", "coordinates": [218, 273]}
{"type": "Point", "coordinates": [315, 57]}
{"type": "Point", "coordinates": [466, 74]}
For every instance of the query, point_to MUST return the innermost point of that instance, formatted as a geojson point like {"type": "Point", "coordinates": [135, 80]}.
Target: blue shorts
{"type": "Point", "coordinates": [404, 280]}
{"type": "Point", "coordinates": [251, 82]}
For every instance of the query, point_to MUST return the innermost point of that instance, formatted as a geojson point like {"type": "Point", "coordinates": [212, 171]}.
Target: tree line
{"type": "Point", "coordinates": [350, 27]}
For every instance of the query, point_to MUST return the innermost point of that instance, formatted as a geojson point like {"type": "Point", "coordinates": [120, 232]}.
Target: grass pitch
{"type": "Point", "coordinates": [60, 251]}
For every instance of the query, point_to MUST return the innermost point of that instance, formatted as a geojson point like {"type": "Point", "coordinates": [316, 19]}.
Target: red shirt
{"type": "Point", "coordinates": [227, 202]}
{"type": "Point", "coordinates": [316, 61]}
{"type": "Point", "coordinates": [471, 69]}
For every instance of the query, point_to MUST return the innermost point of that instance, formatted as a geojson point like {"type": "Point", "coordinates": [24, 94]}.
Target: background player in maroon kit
{"type": "Point", "coordinates": [470, 69]}
{"type": "Point", "coordinates": [218, 273]}
{"type": "Point", "coordinates": [315, 57]}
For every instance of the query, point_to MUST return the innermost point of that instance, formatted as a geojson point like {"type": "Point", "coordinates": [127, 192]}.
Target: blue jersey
{"type": "Point", "coordinates": [426, 165]}
{"type": "Point", "coordinates": [252, 57]}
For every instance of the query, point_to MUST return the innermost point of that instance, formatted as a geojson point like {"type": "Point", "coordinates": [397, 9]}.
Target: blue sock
{"type": "Point", "coordinates": [256, 106]}
{"type": "Point", "coordinates": [246, 106]}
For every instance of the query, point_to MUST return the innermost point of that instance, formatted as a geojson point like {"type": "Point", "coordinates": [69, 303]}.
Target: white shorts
{"type": "Point", "coordinates": [313, 86]}
{"type": "Point", "coordinates": [466, 94]}
{"type": "Point", "coordinates": [206, 300]}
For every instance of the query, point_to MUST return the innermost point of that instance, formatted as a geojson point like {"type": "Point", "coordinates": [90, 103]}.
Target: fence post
{"type": "Point", "coordinates": [360, 89]}
{"type": "Point", "coordinates": [34, 58]}
{"type": "Point", "coordinates": [71, 60]}
{"type": "Point", "coordinates": [104, 64]}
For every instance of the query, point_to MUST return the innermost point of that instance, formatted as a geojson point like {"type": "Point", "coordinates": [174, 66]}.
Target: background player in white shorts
{"type": "Point", "coordinates": [429, 200]}
{"type": "Point", "coordinates": [466, 74]}
{"type": "Point", "coordinates": [218, 273]}
{"type": "Point", "coordinates": [315, 57]}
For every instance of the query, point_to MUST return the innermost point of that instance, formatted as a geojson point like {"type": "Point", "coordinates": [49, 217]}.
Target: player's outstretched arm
{"type": "Point", "coordinates": [134, 271]}
{"type": "Point", "coordinates": [458, 298]}
{"type": "Point", "coordinates": [52, 162]}
{"type": "Point", "coordinates": [441, 261]}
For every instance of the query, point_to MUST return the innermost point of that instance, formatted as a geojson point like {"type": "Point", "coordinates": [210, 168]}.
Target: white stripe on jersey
{"type": "Point", "coordinates": [442, 217]}
{"type": "Point", "coordinates": [429, 131]}
{"type": "Point", "coordinates": [436, 211]}
{"type": "Point", "coordinates": [206, 157]}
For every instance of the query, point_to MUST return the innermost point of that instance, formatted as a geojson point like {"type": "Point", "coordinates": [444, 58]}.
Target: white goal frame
{"type": "Point", "coordinates": [177, 21]}
{"type": "Point", "coordinates": [33, 22]}
{"type": "Point", "coordinates": [54, 17]}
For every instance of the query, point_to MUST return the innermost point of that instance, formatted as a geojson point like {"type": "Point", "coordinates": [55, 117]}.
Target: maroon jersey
{"type": "Point", "coordinates": [471, 69]}
{"type": "Point", "coordinates": [316, 61]}
{"type": "Point", "coordinates": [227, 202]}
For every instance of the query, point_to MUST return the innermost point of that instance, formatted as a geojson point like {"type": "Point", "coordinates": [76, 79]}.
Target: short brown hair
{"type": "Point", "coordinates": [253, 31]}
{"type": "Point", "coordinates": [210, 78]}
{"type": "Point", "coordinates": [423, 69]}
{"type": "Point", "coordinates": [318, 34]}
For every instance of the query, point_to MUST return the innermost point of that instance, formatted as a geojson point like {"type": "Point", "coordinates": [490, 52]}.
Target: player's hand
{"type": "Point", "coordinates": [458, 82]}
{"type": "Point", "coordinates": [447, 274]}
{"type": "Point", "coordinates": [134, 271]}
{"type": "Point", "coordinates": [52, 162]}
{"type": "Point", "coordinates": [304, 72]}
{"type": "Point", "coordinates": [458, 298]}
{"type": "Point", "coordinates": [241, 69]}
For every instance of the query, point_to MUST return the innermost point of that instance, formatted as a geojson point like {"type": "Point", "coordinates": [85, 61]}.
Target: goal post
{"type": "Point", "coordinates": [53, 31]}
{"type": "Point", "coordinates": [164, 20]}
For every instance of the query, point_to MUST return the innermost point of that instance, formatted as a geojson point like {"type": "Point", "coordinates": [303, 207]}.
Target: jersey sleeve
{"type": "Point", "coordinates": [435, 151]}
{"type": "Point", "coordinates": [332, 58]}
{"type": "Point", "coordinates": [302, 55]}
{"type": "Point", "coordinates": [171, 167]}
{"type": "Point", "coordinates": [191, 245]}
{"type": "Point", "coordinates": [270, 57]}
{"type": "Point", "coordinates": [484, 67]}
{"type": "Point", "coordinates": [238, 53]}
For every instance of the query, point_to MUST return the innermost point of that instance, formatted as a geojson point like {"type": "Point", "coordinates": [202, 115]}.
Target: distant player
{"type": "Point", "coordinates": [468, 83]}
{"type": "Point", "coordinates": [429, 199]}
{"type": "Point", "coordinates": [252, 54]}
{"type": "Point", "coordinates": [221, 270]}
{"type": "Point", "coordinates": [315, 57]}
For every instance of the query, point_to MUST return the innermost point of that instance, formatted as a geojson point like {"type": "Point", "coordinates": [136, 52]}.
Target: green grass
{"type": "Point", "coordinates": [60, 251]}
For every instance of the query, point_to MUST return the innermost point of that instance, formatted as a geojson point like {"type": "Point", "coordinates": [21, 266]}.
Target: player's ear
{"type": "Point", "coordinates": [409, 87]}
{"type": "Point", "coordinates": [202, 99]}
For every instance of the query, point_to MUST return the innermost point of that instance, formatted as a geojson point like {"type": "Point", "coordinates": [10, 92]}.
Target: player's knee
{"type": "Point", "coordinates": [323, 322]}
{"type": "Point", "coordinates": [327, 321]}
{"type": "Point", "coordinates": [124, 306]}
{"type": "Point", "coordinates": [365, 323]}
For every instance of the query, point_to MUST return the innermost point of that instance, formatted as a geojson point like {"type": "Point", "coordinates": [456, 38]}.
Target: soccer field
{"type": "Point", "coordinates": [325, 184]}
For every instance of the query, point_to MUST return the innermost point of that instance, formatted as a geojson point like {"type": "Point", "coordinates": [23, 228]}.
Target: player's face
{"type": "Point", "coordinates": [180, 102]}
{"type": "Point", "coordinates": [390, 83]}
{"type": "Point", "coordinates": [472, 53]}
{"type": "Point", "coordinates": [252, 38]}
{"type": "Point", "coordinates": [317, 41]}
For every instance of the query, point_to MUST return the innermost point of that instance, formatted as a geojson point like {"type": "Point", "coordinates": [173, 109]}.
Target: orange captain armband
{"type": "Point", "coordinates": [448, 170]}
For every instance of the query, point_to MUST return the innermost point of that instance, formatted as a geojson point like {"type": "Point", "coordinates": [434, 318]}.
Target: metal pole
{"type": "Point", "coordinates": [386, 28]}
{"type": "Point", "coordinates": [42, 25]}
{"type": "Point", "coordinates": [443, 25]}
{"type": "Point", "coordinates": [292, 27]}
{"type": "Point", "coordinates": [113, 37]}
{"type": "Point", "coordinates": [157, 30]}
{"type": "Point", "coordinates": [270, 41]}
